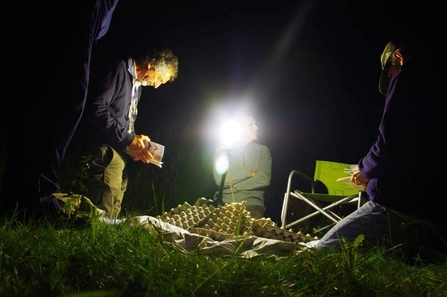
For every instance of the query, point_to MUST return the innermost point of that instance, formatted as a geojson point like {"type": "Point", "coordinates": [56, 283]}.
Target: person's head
{"type": "Point", "coordinates": [157, 68]}
{"type": "Point", "coordinates": [249, 129]}
{"type": "Point", "coordinates": [396, 53]}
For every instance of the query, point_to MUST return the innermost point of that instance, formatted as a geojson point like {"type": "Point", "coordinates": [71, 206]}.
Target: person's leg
{"type": "Point", "coordinates": [99, 157]}
{"type": "Point", "coordinates": [66, 94]}
{"type": "Point", "coordinates": [105, 178]}
{"type": "Point", "coordinates": [113, 181]}
{"type": "Point", "coordinates": [124, 180]}
{"type": "Point", "coordinates": [373, 221]}
{"type": "Point", "coordinates": [52, 102]}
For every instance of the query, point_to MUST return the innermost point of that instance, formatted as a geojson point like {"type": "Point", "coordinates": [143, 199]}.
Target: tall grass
{"type": "Point", "coordinates": [132, 260]}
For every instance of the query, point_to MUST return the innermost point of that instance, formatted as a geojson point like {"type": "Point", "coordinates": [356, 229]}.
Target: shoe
{"type": "Point", "coordinates": [101, 213]}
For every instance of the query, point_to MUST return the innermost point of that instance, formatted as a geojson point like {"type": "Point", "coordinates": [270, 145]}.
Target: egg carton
{"type": "Point", "coordinates": [227, 221]}
{"type": "Point", "coordinates": [275, 232]}
{"type": "Point", "coordinates": [186, 215]}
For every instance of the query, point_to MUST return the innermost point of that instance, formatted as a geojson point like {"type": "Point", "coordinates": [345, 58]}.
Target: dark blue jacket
{"type": "Point", "coordinates": [106, 115]}
{"type": "Point", "coordinates": [107, 9]}
{"type": "Point", "coordinates": [406, 162]}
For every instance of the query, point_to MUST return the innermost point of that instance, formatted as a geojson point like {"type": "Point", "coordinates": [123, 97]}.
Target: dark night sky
{"type": "Point", "coordinates": [309, 69]}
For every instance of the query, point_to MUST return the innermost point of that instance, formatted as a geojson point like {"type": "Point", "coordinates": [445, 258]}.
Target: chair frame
{"type": "Point", "coordinates": [312, 200]}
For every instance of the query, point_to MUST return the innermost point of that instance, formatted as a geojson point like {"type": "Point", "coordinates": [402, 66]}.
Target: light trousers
{"type": "Point", "coordinates": [108, 180]}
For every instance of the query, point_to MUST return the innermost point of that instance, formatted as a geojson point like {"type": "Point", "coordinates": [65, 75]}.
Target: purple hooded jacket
{"type": "Point", "coordinates": [405, 164]}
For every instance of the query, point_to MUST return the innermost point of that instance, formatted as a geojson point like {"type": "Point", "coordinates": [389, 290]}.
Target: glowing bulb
{"type": "Point", "coordinates": [230, 133]}
{"type": "Point", "coordinates": [222, 164]}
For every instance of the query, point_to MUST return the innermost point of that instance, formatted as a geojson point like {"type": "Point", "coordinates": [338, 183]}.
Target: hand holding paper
{"type": "Point", "coordinates": [157, 150]}
{"type": "Point", "coordinates": [347, 180]}
{"type": "Point", "coordinates": [355, 180]}
{"type": "Point", "coordinates": [137, 149]}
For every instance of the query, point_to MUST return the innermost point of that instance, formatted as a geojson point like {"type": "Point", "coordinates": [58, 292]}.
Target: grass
{"type": "Point", "coordinates": [132, 260]}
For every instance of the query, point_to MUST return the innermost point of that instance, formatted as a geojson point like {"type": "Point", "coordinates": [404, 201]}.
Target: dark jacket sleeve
{"type": "Point", "coordinates": [109, 102]}
{"type": "Point", "coordinates": [380, 156]}
{"type": "Point", "coordinates": [106, 12]}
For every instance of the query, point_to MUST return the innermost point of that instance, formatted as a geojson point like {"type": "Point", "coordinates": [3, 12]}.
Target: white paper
{"type": "Point", "coordinates": [347, 181]}
{"type": "Point", "coordinates": [158, 151]}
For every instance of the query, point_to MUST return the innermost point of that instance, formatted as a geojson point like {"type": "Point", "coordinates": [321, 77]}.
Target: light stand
{"type": "Point", "coordinates": [218, 201]}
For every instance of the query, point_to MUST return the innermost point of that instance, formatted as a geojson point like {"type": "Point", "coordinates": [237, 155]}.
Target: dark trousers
{"type": "Point", "coordinates": [49, 68]}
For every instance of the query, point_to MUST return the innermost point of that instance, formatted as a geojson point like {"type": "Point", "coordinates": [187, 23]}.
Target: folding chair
{"type": "Point", "coordinates": [338, 193]}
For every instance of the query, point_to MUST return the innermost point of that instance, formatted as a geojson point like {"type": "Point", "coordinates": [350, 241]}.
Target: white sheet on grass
{"type": "Point", "coordinates": [193, 243]}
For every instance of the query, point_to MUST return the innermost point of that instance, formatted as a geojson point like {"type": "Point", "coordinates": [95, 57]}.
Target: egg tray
{"type": "Point", "coordinates": [226, 222]}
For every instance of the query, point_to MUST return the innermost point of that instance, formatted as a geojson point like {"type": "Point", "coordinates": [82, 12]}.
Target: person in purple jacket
{"type": "Point", "coordinates": [400, 170]}
{"type": "Point", "coordinates": [48, 89]}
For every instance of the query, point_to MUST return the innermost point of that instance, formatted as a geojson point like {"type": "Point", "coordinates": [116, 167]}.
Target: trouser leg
{"type": "Point", "coordinates": [54, 102]}
{"type": "Point", "coordinates": [108, 180]}
{"type": "Point", "coordinates": [373, 221]}
{"type": "Point", "coordinates": [63, 98]}
{"type": "Point", "coordinates": [120, 194]}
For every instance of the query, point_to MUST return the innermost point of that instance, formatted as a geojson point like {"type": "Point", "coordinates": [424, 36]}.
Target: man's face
{"type": "Point", "coordinates": [249, 129]}
{"type": "Point", "coordinates": [154, 78]}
